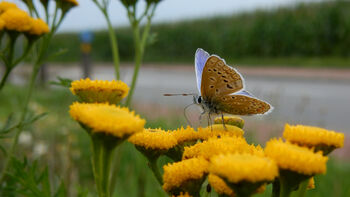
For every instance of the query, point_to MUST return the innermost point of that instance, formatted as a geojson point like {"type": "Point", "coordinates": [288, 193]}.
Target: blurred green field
{"type": "Point", "coordinates": [309, 34]}
{"type": "Point", "coordinates": [67, 152]}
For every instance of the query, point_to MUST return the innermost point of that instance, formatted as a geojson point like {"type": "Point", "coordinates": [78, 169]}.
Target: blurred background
{"type": "Point", "coordinates": [292, 53]}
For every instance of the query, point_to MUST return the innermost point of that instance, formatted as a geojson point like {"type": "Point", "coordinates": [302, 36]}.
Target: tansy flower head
{"type": "Point", "coordinates": [220, 186]}
{"type": "Point", "coordinates": [243, 173]}
{"type": "Point", "coordinates": [99, 91]}
{"type": "Point", "coordinates": [295, 158]}
{"type": "Point", "coordinates": [108, 119]}
{"type": "Point", "coordinates": [2, 24]}
{"type": "Point", "coordinates": [231, 120]}
{"type": "Point", "coordinates": [319, 138]}
{"type": "Point", "coordinates": [5, 5]}
{"type": "Point", "coordinates": [218, 130]}
{"type": "Point", "coordinates": [185, 176]}
{"type": "Point", "coordinates": [222, 145]}
{"type": "Point", "coordinates": [183, 135]}
{"type": "Point", "coordinates": [39, 27]}
{"type": "Point", "coordinates": [16, 20]}
{"type": "Point", "coordinates": [153, 142]}
{"type": "Point", "coordinates": [237, 168]}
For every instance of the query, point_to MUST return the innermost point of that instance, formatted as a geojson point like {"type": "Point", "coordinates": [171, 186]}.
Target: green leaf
{"type": "Point", "coordinates": [63, 82]}
{"type": "Point", "coordinates": [5, 128]}
{"type": "Point", "coordinates": [33, 119]}
{"type": "Point", "coordinates": [57, 53]}
{"type": "Point", "coordinates": [27, 179]}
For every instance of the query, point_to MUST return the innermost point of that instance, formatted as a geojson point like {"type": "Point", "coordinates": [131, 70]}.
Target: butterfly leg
{"type": "Point", "coordinates": [200, 117]}
{"type": "Point", "coordinates": [223, 121]}
{"type": "Point", "coordinates": [209, 122]}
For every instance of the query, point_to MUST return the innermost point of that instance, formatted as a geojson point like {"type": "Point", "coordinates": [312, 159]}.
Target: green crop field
{"type": "Point", "coordinates": [312, 34]}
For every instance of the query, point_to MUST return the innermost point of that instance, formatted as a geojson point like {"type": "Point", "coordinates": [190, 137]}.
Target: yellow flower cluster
{"type": "Point", "coordinates": [15, 19]}
{"type": "Point", "coordinates": [313, 136]}
{"type": "Point", "coordinates": [294, 158]}
{"type": "Point", "coordinates": [105, 118]}
{"type": "Point", "coordinates": [222, 145]}
{"type": "Point", "coordinates": [99, 91]}
{"type": "Point", "coordinates": [219, 130]}
{"type": "Point", "coordinates": [236, 168]}
{"type": "Point", "coordinates": [231, 120]}
{"type": "Point", "coordinates": [2, 24]}
{"type": "Point", "coordinates": [39, 27]}
{"type": "Point", "coordinates": [220, 186]}
{"type": "Point", "coordinates": [177, 174]}
{"type": "Point", "coordinates": [187, 134]}
{"type": "Point", "coordinates": [155, 139]}
{"type": "Point", "coordinates": [5, 5]}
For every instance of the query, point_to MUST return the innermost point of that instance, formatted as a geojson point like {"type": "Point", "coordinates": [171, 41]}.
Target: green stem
{"type": "Point", "coordinates": [302, 188]}
{"type": "Point", "coordinates": [103, 147]}
{"type": "Point", "coordinates": [10, 64]}
{"type": "Point", "coordinates": [285, 188]}
{"type": "Point", "coordinates": [5, 76]}
{"type": "Point", "coordinates": [117, 157]}
{"type": "Point", "coordinates": [102, 165]}
{"type": "Point", "coordinates": [20, 127]}
{"type": "Point", "coordinates": [275, 188]}
{"type": "Point", "coordinates": [25, 53]}
{"type": "Point", "coordinates": [112, 37]}
{"type": "Point", "coordinates": [138, 60]}
{"type": "Point", "coordinates": [140, 45]}
{"type": "Point", "coordinates": [114, 45]}
{"type": "Point", "coordinates": [155, 169]}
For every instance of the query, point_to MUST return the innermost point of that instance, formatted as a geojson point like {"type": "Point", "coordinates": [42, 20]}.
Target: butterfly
{"type": "Point", "coordinates": [222, 89]}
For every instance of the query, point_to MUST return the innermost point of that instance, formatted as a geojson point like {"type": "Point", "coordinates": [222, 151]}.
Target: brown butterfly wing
{"type": "Point", "coordinates": [219, 79]}
{"type": "Point", "coordinates": [241, 105]}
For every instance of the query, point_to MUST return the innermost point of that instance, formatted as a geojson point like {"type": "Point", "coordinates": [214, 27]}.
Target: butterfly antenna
{"type": "Point", "coordinates": [179, 94]}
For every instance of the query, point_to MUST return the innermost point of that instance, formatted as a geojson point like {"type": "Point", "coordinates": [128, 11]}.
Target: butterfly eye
{"type": "Point", "coordinates": [199, 99]}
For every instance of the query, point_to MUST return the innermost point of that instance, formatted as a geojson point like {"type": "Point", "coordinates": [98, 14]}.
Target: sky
{"type": "Point", "coordinates": [87, 17]}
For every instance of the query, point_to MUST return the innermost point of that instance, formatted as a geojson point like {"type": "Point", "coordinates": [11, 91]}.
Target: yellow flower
{"type": "Point", "coordinates": [311, 184]}
{"type": "Point", "coordinates": [74, 2]}
{"type": "Point", "coordinates": [39, 27]}
{"type": "Point", "coordinates": [185, 135]}
{"type": "Point", "coordinates": [313, 136]}
{"type": "Point", "coordinates": [219, 185]}
{"type": "Point", "coordinates": [92, 91]}
{"type": "Point", "coordinates": [237, 168]}
{"type": "Point", "coordinates": [65, 5]}
{"type": "Point", "coordinates": [155, 139]}
{"type": "Point", "coordinates": [16, 20]}
{"type": "Point", "coordinates": [218, 130]}
{"type": "Point", "coordinates": [177, 175]}
{"type": "Point", "coordinates": [222, 145]}
{"type": "Point", "coordinates": [2, 24]}
{"type": "Point", "coordinates": [5, 5]}
{"type": "Point", "coordinates": [108, 119]}
{"type": "Point", "coordinates": [295, 158]}
{"type": "Point", "coordinates": [231, 120]}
